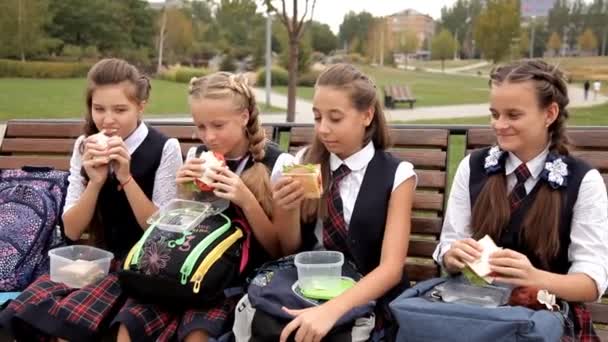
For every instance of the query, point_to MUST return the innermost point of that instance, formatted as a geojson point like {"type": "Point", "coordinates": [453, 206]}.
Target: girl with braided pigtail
{"type": "Point", "coordinates": [546, 208]}
{"type": "Point", "coordinates": [225, 114]}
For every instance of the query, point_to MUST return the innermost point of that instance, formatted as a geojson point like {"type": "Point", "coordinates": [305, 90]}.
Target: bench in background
{"type": "Point", "coordinates": [394, 94]}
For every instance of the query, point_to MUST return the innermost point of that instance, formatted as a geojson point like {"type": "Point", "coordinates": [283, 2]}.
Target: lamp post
{"type": "Point", "coordinates": [268, 57]}
{"type": "Point", "coordinates": [532, 36]}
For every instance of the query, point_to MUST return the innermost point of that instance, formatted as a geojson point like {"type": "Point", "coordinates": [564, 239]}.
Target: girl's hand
{"type": "Point", "coordinates": [288, 193]}
{"type": "Point", "coordinates": [192, 169]}
{"type": "Point", "coordinates": [312, 324]}
{"type": "Point", "coordinates": [512, 267]}
{"type": "Point", "coordinates": [118, 152]}
{"type": "Point", "coordinates": [462, 251]}
{"type": "Point", "coordinates": [228, 185]}
{"type": "Point", "coordinates": [95, 162]}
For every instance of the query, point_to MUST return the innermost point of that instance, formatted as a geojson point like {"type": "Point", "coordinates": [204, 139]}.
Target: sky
{"type": "Point", "coordinates": [332, 12]}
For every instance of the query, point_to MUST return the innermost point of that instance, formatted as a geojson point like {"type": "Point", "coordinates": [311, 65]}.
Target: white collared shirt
{"type": "Point", "coordinates": [351, 184]}
{"type": "Point", "coordinates": [165, 188]}
{"type": "Point", "coordinates": [588, 250]}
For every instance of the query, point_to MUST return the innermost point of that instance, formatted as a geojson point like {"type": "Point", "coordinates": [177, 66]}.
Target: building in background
{"type": "Point", "coordinates": [410, 21]}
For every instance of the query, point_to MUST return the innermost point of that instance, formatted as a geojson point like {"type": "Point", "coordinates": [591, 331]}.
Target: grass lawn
{"type": "Point", "coordinates": [64, 98]}
{"type": "Point", "coordinates": [430, 89]}
{"type": "Point", "coordinates": [449, 63]}
{"type": "Point", "coordinates": [588, 116]}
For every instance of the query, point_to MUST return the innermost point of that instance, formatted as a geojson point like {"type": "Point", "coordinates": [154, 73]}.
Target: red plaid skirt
{"type": "Point", "coordinates": [147, 322]}
{"type": "Point", "coordinates": [47, 308]}
{"type": "Point", "coordinates": [581, 328]}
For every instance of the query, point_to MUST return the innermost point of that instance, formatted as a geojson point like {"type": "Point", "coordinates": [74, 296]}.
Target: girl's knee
{"type": "Point", "coordinates": [197, 336]}
{"type": "Point", "coordinates": [123, 334]}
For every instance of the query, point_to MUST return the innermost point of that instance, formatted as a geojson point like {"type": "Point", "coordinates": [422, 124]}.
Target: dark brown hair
{"type": "Point", "coordinates": [108, 72]}
{"type": "Point", "coordinates": [225, 85]}
{"type": "Point", "coordinates": [362, 93]}
{"type": "Point", "coordinates": [491, 212]}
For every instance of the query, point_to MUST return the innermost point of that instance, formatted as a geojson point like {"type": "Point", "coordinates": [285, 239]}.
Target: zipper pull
{"type": "Point", "coordinates": [185, 274]}
{"type": "Point", "coordinates": [197, 286]}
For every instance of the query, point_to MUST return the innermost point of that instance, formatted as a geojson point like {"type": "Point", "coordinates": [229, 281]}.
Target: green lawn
{"type": "Point", "coordinates": [589, 116]}
{"type": "Point", "coordinates": [430, 89]}
{"type": "Point", "coordinates": [64, 98]}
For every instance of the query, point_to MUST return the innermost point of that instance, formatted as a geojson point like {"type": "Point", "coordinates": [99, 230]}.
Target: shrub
{"type": "Point", "coordinates": [308, 79]}
{"type": "Point", "coordinates": [279, 76]}
{"type": "Point", "coordinates": [10, 68]}
{"type": "Point", "coordinates": [184, 75]}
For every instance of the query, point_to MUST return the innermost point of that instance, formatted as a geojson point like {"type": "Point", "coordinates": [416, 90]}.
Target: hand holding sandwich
{"type": "Point", "coordinates": [95, 158]}
{"type": "Point", "coordinates": [512, 267]}
{"type": "Point", "coordinates": [460, 253]}
{"type": "Point", "coordinates": [288, 193]}
{"type": "Point", "coordinates": [299, 181]}
{"type": "Point", "coordinates": [120, 157]}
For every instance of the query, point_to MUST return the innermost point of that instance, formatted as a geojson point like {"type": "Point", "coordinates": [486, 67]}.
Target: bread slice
{"type": "Point", "coordinates": [211, 159]}
{"type": "Point", "coordinates": [309, 175]}
{"type": "Point", "coordinates": [481, 266]}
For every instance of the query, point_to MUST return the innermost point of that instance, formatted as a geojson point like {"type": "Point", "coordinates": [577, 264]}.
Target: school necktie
{"type": "Point", "coordinates": [334, 226]}
{"type": "Point", "coordinates": [519, 191]}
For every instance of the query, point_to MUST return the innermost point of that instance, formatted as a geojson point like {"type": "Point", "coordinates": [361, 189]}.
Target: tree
{"type": "Point", "coordinates": [355, 27]}
{"type": "Point", "coordinates": [22, 26]}
{"type": "Point", "coordinates": [322, 38]}
{"type": "Point", "coordinates": [443, 46]}
{"type": "Point", "coordinates": [496, 27]}
{"type": "Point", "coordinates": [179, 35]}
{"type": "Point", "coordinates": [296, 26]}
{"type": "Point", "coordinates": [587, 41]}
{"type": "Point", "coordinates": [554, 43]}
{"type": "Point", "coordinates": [408, 42]}
{"type": "Point", "coordinates": [524, 43]}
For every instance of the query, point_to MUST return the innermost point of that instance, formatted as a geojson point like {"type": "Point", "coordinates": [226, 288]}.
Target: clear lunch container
{"type": "Point", "coordinates": [319, 270]}
{"type": "Point", "coordinates": [78, 266]}
{"type": "Point", "coordinates": [180, 215]}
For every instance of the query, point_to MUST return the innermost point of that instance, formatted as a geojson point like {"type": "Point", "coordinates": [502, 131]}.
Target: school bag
{"type": "Point", "coordinates": [429, 312]}
{"type": "Point", "coordinates": [180, 270]}
{"type": "Point", "coordinates": [259, 315]}
{"type": "Point", "coordinates": [31, 205]}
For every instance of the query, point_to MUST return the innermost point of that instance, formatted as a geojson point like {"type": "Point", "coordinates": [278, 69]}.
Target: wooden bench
{"type": "Point", "coordinates": [427, 150]}
{"type": "Point", "coordinates": [51, 142]}
{"type": "Point", "coordinates": [589, 145]}
{"type": "Point", "coordinates": [394, 94]}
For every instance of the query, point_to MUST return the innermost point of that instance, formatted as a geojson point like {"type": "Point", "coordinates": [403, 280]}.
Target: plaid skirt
{"type": "Point", "coordinates": [148, 322]}
{"type": "Point", "coordinates": [47, 308]}
{"type": "Point", "coordinates": [580, 328]}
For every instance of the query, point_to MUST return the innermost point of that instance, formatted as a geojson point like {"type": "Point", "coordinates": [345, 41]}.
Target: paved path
{"type": "Point", "coordinates": [458, 69]}
{"type": "Point", "coordinates": [304, 108]}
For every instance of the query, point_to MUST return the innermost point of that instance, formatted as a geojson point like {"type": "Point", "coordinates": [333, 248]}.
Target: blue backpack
{"type": "Point", "coordinates": [31, 204]}
{"type": "Point", "coordinates": [423, 315]}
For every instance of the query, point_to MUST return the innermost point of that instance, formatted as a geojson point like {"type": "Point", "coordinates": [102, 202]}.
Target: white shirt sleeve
{"type": "Point", "coordinates": [76, 182]}
{"type": "Point", "coordinates": [165, 187]}
{"type": "Point", "coordinates": [457, 220]}
{"type": "Point", "coordinates": [588, 250]}
{"type": "Point", "coordinates": [405, 170]}
{"type": "Point", "coordinates": [277, 169]}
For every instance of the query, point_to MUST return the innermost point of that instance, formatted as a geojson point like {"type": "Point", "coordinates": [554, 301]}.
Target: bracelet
{"type": "Point", "coordinates": [122, 185]}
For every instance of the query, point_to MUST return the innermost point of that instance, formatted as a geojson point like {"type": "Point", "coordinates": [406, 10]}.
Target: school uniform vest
{"type": "Point", "coordinates": [367, 223]}
{"type": "Point", "coordinates": [510, 235]}
{"type": "Point", "coordinates": [121, 230]}
{"type": "Point", "coordinates": [257, 253]}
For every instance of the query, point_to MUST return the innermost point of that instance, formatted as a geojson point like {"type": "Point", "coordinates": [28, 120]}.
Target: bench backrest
{"type": "Point", "coordinates": [398, 92]}
{"type": "Point", "coordinates": [589, 145]}
{"type": "Point", "coordinates": [427, 150]}
{"type": "Point", "coordinates": [50, 143]}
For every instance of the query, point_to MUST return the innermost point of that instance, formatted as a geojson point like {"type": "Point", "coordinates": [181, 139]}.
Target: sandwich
{"type": "Point", "coordinates": [211, 159]}
{"type": "Point", "coordinates": [478, 271]}
{"type": "Point", "coordinates": [80, 273]}
{"type": "Point", "coordinates": [101, 139]}
{"type": "Point", "coordinates": [309, 175]}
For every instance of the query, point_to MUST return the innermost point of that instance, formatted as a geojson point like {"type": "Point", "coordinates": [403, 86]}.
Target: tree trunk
{"type": "Point", "coordinates": [161, 40]}
{"type": "Point", "coordinates": [442, 65]}
{"type": "Point", "coordinates": [20, 29]}
{"type": "Point", "coordinates": [293, 78]}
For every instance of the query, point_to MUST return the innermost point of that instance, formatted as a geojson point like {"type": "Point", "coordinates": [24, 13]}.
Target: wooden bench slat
{"type": "Point", "coordinates": [419, 272]}
{"type": "Point", "coordinates": [422, 158]}
{"type": "Point", "coordinates": [37, 145]}
{"type": "Point", "coordinates": [426, 225]}
{"type": "Point", "coordinates": [43, 129]}
{"type": "Point", "coordinates": [597, 159]}
{"type": "Point", "coordinates": [599, 312]}
{"type": "Point", "coordinates": [430, 179]}
{"type": "Point", "coordinates": [15, 162]}
{"type": "Point", "coordinates": [428, 201]}
{"type": "Point", "coordinates": [421, 248]}
{"type": "Point", "coordinates": [580, 139]}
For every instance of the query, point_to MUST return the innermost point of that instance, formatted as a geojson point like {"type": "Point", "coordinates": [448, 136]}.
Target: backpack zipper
{"type": "Point", "coordinates": [190, 261]}
{"type": "Point", "coordinates": [212, 257]}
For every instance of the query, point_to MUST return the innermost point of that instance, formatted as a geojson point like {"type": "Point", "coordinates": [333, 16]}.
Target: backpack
{"type": "Point", "coordinates": [190, 269]}
{"type": "Point", "coordinates": [428, 312]}
{"type": "Point", "coordinates": [31, 205]}
{"type": "Point", "coordinates": [259, 315]}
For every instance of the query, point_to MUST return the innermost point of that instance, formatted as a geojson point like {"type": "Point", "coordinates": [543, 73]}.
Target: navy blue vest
{"type": "Point", "coordinates": [257, 253]}
{"type": "Point", "coordinates": [510, 235]}
{"type": "Point", "coordinates": [367, 223]}
{"type": "Point", "coordinates": [121, 230]}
